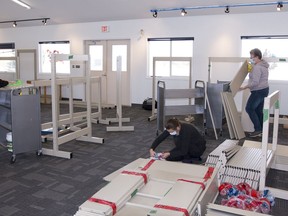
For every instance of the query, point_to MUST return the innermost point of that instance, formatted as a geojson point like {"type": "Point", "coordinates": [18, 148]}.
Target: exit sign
{"type": "Point", "coordinates": [104, 28]}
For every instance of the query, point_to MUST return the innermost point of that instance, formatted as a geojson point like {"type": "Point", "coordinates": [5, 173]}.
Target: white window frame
{"type": "Point", "coordinates": [151, 62]}
{"type": "Point", "coordinates": [8, 57]}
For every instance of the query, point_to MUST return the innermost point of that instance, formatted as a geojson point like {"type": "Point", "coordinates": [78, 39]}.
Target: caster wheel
{"type": "Point", "coordinates": [39, 153]}
{"type": "Point", "coordinates": [13, 159]}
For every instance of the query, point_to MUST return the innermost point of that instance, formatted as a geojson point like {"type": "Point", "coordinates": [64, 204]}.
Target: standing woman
{"type": "Point", "coordinates": [258, 85]}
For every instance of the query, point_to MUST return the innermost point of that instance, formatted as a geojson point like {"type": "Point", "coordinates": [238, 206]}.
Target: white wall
{"type": "Point", "coordinates": [214, 36]}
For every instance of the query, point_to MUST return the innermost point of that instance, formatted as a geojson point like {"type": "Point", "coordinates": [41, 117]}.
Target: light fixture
{"type": "Point", "coordinates": [225, 7]}
{"type": "Point", "coordinates": [183, 12]}
{"type": "Point", "coordinates": [279, 6]}
{"type": "Point", "coordinates": [15, 22]}
{"type": "Point", "coordinates": [23, 4]}
{"type": "Point", "coordinates": [44, 21]}
{"type": "Point", "coordinates": [227, 10]}
{"type": "Point", "coordinates": [155, 14]}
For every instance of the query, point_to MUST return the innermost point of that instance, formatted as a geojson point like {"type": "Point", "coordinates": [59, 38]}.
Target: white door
{"type": "Point", "coordinates": [103, 62]}
{"type": "Point", "coordinates": [27, 64]}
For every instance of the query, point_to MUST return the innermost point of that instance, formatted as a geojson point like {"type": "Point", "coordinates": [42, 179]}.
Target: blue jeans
{"type": "Point", "coordinates": [254, 107]}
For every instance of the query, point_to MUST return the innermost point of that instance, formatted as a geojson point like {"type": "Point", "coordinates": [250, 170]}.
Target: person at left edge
{"type": "Point", "coordinates": [189, 143]}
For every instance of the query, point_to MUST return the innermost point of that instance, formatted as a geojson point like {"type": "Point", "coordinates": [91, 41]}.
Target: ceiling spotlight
{"type": "Point", "coordinates": [44, 21]}
{"type": "Point", "coordinates": [279, 6]}
{"type": "Point", "coordinates": [183, 12]}
{"type": "Point", "coordinates": [14, 24]}
{"type": "Point", "coordinates": [155, 14]}
{"type": "Point", "coordinates": [227, 10]}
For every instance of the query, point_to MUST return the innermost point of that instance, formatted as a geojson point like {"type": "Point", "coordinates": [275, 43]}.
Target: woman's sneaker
{"type": "Point", "coordinates": [255, 134]}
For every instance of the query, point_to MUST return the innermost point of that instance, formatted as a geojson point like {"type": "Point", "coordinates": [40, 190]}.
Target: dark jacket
{"type": "Point", "coordinates": [3, 83]}
{"type": "Point", "coordinates": [189, 142]}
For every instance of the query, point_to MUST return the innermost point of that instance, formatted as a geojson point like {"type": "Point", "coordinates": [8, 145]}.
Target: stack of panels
{"type": "Point", "coordinates": [112, 197]}
{"type": "Point", "coordinates": [180, 200]}
{"type": "Point", "coordinates": [230, 109]}
{"type": "Point", "coordinates": [232, 116]}
{"type": "Point", "coordinates": [245, 167]}
{"type": "Point", "coordinates": [228, 147]}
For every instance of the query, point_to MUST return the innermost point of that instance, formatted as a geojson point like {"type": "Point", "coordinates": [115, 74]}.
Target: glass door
{"type": "Point", "coordinates": [103, 62]}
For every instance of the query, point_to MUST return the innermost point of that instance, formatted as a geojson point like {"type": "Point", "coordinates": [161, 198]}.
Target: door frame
{"type": "Point", "coordinates": [106, 43]}
{"type": "Point", "coordinates": [33, 51]}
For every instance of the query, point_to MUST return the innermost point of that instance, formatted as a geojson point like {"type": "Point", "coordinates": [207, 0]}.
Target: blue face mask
{"type": "Point", "coordinates": [252, 61]}
{"type": "Point", "coordinates": [173, 133]}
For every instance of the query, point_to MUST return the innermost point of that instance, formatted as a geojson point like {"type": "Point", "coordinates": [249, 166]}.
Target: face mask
{"type": "Point", "coordinates": [173, 133]}
{"type": "Point", "coordinates": [252, 61]}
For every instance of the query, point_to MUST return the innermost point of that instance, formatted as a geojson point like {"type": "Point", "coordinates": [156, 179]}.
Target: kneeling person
{"type": "Point", "coordinates": [189, 143]}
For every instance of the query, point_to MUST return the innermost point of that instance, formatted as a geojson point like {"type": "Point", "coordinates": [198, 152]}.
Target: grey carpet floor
{"type": "Point", "coordinates": [51, 186]}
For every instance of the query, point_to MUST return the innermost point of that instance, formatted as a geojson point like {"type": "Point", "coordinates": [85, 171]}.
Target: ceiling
{"type": "Point", "coordinates": [79, 11]}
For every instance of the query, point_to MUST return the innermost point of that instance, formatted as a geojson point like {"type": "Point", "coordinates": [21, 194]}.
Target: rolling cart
{"type": "Point", "coordinates": [20, 115]}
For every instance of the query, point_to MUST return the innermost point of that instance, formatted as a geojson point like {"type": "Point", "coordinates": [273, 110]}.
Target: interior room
{"type": "Point", "coordinates": [88, 86]}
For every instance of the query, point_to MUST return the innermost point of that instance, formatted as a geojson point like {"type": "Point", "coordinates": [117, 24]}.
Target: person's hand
{"type": "Point", "coordinates": [152, 153]}
{"type": "Point", "coordinates": [242, 88]}
{"type": "Point", "coordinates": [165, 155]}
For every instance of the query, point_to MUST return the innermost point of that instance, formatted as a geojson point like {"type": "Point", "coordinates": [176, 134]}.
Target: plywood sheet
{"type": "Point", "coordinates": [239, 78]}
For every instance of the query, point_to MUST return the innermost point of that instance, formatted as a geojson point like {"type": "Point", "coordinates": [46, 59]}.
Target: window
{"type": "Point", "coordinates": [96, 56]}
{"type": "Point", "coordinates": [7, 50]}
{"type": "Point", "coordinates": [46, 49]}
{"type": "Point", "coordinates": [170, 47]}
{"type": "Point", "coordinates": [119, 50]}
{"type": "Point", "coordinates": [271, 46]}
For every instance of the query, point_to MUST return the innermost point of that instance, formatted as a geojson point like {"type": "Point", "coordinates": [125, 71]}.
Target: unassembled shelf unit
{"type": "Point", "coordinates": [163, 110]}
{"type": "Point", "coordinates": [20, 115]}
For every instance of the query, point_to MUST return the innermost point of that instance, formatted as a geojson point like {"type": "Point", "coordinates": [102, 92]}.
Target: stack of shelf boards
{"type": "Point", "coordinates": [171, 184]}
{"type": "Point", "coordinates": [228, 147]}
{"type": "Point", "coordinates": [281, 154]}
{"type": "Point", "coordinates": [232, 116]}
{"type": "Point", "coordinates": [245, 167]}
{"type": "Point", "coordinates": [114, 195]}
